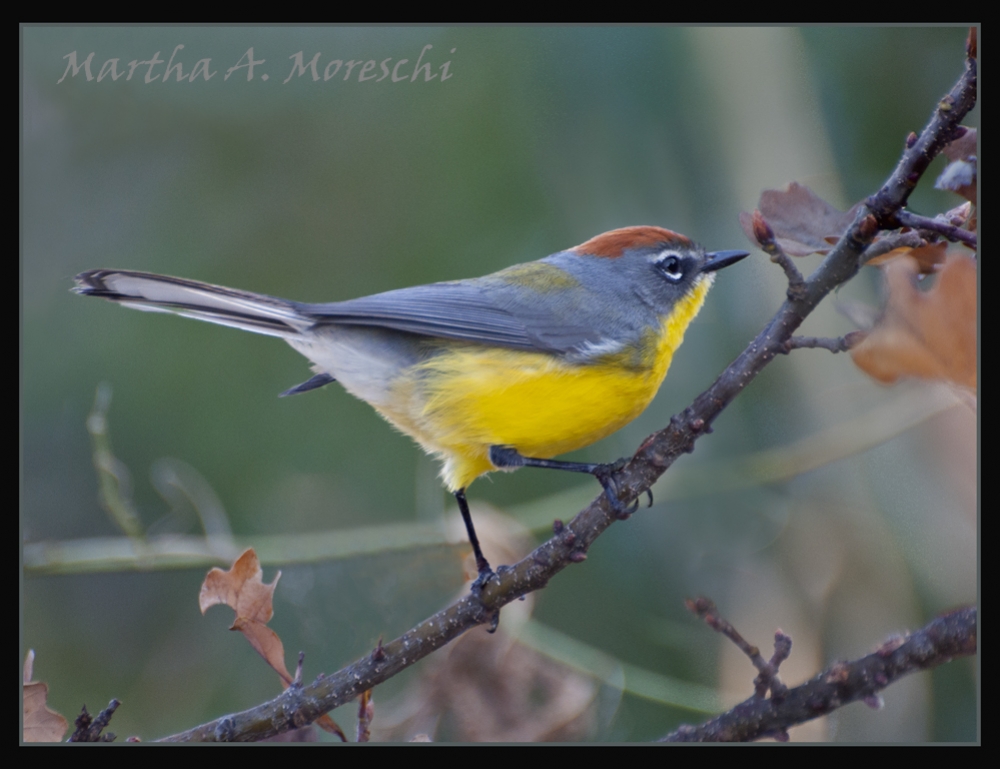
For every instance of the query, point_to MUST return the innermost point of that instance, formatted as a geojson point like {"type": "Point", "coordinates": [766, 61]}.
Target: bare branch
{"type": "Point", "coordinates": [949, 636]}
{"type": "Point", "coordinates": [89, 729]}
{"type": "Point", "coordinates": [949, 230]}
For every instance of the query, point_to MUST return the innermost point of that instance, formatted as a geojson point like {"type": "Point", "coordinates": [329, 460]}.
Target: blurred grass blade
{"type": "Point", "coordinates": [112, 474]}
{"type": "Point", "coordinates": [610, 670]}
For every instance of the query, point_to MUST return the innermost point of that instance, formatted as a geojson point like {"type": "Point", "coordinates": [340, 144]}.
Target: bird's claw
{"type": "Point", "coordinates": [485, 575]}
{"type": "Point", "coordinates": [606, 476]}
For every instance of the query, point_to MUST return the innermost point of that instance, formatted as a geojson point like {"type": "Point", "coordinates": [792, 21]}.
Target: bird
{"type": "Point", "coordinates": [491, 373]}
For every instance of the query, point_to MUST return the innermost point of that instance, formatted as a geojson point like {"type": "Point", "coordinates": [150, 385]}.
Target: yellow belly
{"type": "Point", "coordinates": [468, 397]}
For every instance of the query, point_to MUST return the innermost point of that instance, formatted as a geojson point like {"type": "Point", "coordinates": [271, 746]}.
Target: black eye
{"type": "Point", "coordinates": [671, 267]}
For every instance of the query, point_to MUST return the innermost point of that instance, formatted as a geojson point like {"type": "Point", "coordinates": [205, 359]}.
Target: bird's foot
{"type": "Point", "coordinates": [485, 576]}
{"type": "Point", "coordinates": [607, 476]}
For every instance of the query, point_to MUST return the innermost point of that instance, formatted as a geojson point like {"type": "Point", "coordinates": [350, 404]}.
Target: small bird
{"type": "Point", "coordinates": [490, 373]}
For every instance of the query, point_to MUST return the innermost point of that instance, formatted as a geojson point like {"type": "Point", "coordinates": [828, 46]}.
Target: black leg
{"type": "Point", "coordinates": [485, 572]}
{"type": "Point", "coordinates": [505, 456]}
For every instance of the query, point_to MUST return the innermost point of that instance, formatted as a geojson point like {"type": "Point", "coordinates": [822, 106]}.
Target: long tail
{"type": "Point", "coordinates": [203, 301]}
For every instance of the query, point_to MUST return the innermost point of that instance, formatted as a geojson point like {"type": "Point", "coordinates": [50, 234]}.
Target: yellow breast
{"type": "Point", "coordinates": [469, 397]}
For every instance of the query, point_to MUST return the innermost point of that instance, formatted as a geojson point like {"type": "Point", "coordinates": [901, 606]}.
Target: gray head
{"type": "Point", "coordinates": [648, 269]}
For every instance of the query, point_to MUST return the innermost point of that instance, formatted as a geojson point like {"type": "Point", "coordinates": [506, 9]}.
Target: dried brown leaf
{"type": "Point", "coordinates": [959, 176]}
{"type": "Point", "coordinates": [927, 257]}
{"type": "Point", "coordinates": [964, 147]}
{"type": "Point", "coordinates": [41, 724]}
{"type": "Point", "coordinates": [926, 334]}
{"type": "Point", "coordinates": [242, 588]}
{"type": "Point", "coordinates": [803, 223]}
{"type": "Point", "coordinates": [962, 216]}
{"type": "Point", "coordinates": [487, 687]}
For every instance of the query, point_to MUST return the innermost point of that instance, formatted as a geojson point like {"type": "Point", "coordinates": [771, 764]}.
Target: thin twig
{"type": "Point", "coordinates": [769, 243]}
{"type": "Point", "coordinates": [782, 648]}
{"type": "Point", "coordinates": [839, 344]}
{"type": "Point", "coordinates": [767, 671]}
{"type": "Point", "coordinates": [950, 231]}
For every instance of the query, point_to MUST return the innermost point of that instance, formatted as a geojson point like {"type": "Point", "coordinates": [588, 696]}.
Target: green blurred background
{"type": "Point", "coordinates": [323, 190]}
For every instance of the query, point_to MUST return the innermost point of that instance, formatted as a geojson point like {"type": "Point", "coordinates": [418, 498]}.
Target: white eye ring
{"type": "Point", "coordinates": [671, 266]}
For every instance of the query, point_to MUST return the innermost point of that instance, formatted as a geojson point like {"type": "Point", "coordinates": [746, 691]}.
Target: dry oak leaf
{"type": "Point", "coordinates": [40, 723]}
{"type": "Point", "coordinates": [928, 257]}
{"type": "Point", "coordinates": [926, 334]}
{"type": "Point", "coordinates": [964, 147]}
{"type": "Point", "coordinates": [960, 174]}
{"type": "Point", "coordinates": [242, 588]}
{"type": "Point", "coordinates": [803, 223]}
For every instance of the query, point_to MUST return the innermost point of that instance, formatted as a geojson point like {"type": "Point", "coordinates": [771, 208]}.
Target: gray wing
{"type": "Point", "coordinates": [463, 310]}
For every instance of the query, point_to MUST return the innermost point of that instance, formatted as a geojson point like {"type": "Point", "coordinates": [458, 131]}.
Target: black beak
{"type": "Point", "coordinates": [719, 259]}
